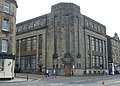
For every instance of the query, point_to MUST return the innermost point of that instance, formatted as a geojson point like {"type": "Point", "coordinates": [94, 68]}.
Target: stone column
{"type": "Point", "coordinates": [37, 52]}
{"type": "Point", "coordinates": [19, 53]}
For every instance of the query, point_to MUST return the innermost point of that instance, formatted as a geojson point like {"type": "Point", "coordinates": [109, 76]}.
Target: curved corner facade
{"type": "Point", "coordinates": [7, 38]}
{"type": "Point", "coordinates": [65, 40]}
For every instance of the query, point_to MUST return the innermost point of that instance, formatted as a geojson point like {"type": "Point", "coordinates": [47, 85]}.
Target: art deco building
{"type": "Point", "coordinates": [7, 38]}
{"type": "Point", "coordinates": [65, 40]}
{"type": "Point", "coordinates": [114, 54]}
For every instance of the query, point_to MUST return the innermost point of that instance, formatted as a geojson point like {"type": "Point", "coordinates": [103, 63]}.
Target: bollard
{"type": "Point", "coordinates": [103, 83]}
{"type": "Point", "coordinates": [27, 77]}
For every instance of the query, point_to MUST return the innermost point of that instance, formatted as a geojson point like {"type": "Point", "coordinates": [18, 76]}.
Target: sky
{"type": "Point", "coordinates": [106, 12]}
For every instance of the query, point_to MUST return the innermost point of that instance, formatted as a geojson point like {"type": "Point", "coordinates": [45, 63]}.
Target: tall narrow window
{"type": "Point", "coordinates": [33, 62]}
{"type": "Point", "coordinates": [23, 45]}
{"type": "Point", "coordinates": [101, 62]}
{"type": "Point", "coordinates": [100, 45]}
{"type": "Point", "coordinates": [28, 44]}
{"type": "Point", "coordinates": [22, 63]}
{"type": "Point", "coordinates": [97, 61]}
{"type": "Point", "coordinates": [89, 61]}
{"type": "Point", "coordinates": [66, 22]}
{"type": "Point", "coordinates": [105, 60]}
{"type": "Point", "coordinates": [5, 25]}
{"type": "Point", "coordinates": [34, 40]}
{"type": "Point", "coordinates": [17, 45]}
{"type": "Point", "coordinates": [93, 43]}
{"type": "Point", "coordinates": [93, 61]}
{"type": "Point", "coordinates": [40, 43]}
{"type": "Point", "coordinates": [4, 45]}
{"type": "Point", "coordinates": [96, 44]}
{"type": "Point", "coordinates": [88, 42]}
{"type": "Point", "coordinates": [6, 7]}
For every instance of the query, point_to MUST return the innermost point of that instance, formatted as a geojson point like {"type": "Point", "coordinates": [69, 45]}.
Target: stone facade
{"type": "Point", "coordinates": [114, 54]}
{"type": "Point", "coordinates": [61, 43]}
{"type": "Point", "coordinates": [7, 36]}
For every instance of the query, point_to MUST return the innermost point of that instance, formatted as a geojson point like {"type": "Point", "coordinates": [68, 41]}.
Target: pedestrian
{"type": "Point", "coordinates": [54, 73]}
{"type": "Point", "coordinates": [47, 73]}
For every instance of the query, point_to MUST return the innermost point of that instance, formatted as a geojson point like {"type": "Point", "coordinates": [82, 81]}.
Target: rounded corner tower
{"type": "Point", "coordinates": [64, 28]}
{"type": "Point", "coordinates": [7, 37]}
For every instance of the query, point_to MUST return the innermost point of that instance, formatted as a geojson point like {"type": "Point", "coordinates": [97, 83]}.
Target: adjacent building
{"type": "Point", "coordinates": [114, 54]}
{"type": "Point", "coordinates": [65, 40]}
{"type": "Point", "coordinates": [7, 38]}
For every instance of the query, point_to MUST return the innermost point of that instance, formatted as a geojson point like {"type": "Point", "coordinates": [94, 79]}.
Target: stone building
{"type": "Point", "coordinates": [114, 54]}
{"type": "Point", "coordinates": [7, 38]}
{"type": "Point", "coordinates": [65, 40]}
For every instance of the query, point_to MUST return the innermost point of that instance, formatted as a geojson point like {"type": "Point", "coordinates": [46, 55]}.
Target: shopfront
{"type": "Point", "coordinates": [7, 62]}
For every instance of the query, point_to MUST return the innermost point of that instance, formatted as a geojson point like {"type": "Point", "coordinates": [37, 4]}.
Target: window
{"type": "Point", "coordinates": [100, 45]}
{"type": "Point", "coordinates": [28, 44]}
{"type": "Point", "coordinates": [66, 20]}
{"type": "Point", "coordinates": [97, 61]}
{"type": "Point", "coordinates": [93, 61]}
{"type": "Point", "coordinates": [33, 62]}
{"type": "Point", "coordinates": [4, 45]}
{"type": "Point", "coordinates": [101, 62]}
{"type": "Point", "coordinates": [34, 40]}
{"type": "Point", "coordinates": [22, 63]}
{"type": "Point", "coordinates": [6, 7]}
{"type": "Point", "coordinates": [23, 45]}
{"type": "Point", "coordinates": [17, 45]}
{"type": "Point", "coordinates": [88, 42]}
{"type": "Point", "coordinates": [1, 64]}
{"type": "Point", "coordinates": [89, 60]}
{"type": "Point", "coordinates": [5, 24]}
{"type": "Point", "coordinates": [78, 66]}
{"type": "Point", "coordinates": [93, 43]}
{"type": "Point", "coordinates": [40, 43]}
{"type": "Point", "coordinates": [97, 44]}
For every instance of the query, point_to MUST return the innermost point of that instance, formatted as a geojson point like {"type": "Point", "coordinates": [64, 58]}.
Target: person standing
{"type": "Point", "coordinates": [47, 73]}
{"type": "Point", "coordinates": [54, 73]}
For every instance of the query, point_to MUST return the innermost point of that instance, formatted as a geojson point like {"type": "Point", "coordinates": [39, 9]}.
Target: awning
{"type": "Point", "coordinates": [7, 56]}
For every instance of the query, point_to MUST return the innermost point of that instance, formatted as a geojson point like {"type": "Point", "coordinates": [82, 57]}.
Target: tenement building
{"type": "Point", "coordinates": [64, 40]}
{"type": "Point", "coordinates": [7, 38]}
{"type": "Point", "coordinates": [114, 54]}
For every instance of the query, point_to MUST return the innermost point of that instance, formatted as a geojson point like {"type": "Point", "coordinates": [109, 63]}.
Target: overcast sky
{"type": "Point", "coordinates": [106, 12]}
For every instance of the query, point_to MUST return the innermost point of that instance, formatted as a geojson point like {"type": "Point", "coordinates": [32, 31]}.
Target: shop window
{"type": "Point", "coordinates": [1, 64]}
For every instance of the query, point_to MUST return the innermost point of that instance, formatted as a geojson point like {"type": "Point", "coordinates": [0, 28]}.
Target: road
{"type": "Point", "coordinates": [38, 80]}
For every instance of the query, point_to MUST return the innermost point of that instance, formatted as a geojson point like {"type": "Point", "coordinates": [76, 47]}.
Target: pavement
{"type": "Point", "coordinates": [23, 77]}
